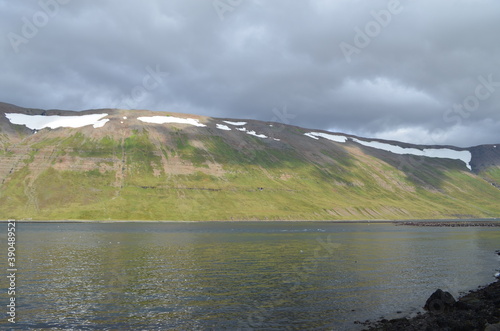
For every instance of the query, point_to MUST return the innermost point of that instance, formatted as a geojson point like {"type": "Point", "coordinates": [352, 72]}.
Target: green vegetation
{"type": "Point", "coordinates": [83, 147]}
{"type": "Point", "coordinates": [492, 175]}
{"type": "Point", "coordinates": [246, 154]}
{"type": "Point", "coordinates": [185, 150]}
{"type": "Point", "coordinates": [175, 174]}
{"type": "Point", "coordinates": [6, 153]}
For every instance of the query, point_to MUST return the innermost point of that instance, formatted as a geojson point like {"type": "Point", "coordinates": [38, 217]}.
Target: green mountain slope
{"type": "Point", "coordinates": [132, 170]}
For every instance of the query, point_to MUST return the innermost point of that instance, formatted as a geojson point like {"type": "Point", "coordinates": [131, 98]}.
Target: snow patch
{"type": "Point", "coordinates": [101, 123]}
{"type": "Point", "coordinates": [236, 123]}
{"type": "Point", "coordinates": [253, 133]}
{"type": "Point", "coordinates": [443, 153]}
{"type": "Point", "coordinates": [332, 137]}
{"type": "Point", "coordinates": [223, 127]}
{"type": "Point", "coordinates": [38, 122]}
{"type": "Point", "coordinates": [310, 135]}
{"type": "Point", "coordinates": [170, 119]}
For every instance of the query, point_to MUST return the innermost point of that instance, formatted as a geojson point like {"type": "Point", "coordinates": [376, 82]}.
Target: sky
{"type": "Point", "coordinates": [424, 72]}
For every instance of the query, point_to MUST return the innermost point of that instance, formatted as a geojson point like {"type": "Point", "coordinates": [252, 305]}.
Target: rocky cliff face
{"type": "Point", "coordinates": [485, 157]}
{"type": "Point", "coordinates": [124, 164]}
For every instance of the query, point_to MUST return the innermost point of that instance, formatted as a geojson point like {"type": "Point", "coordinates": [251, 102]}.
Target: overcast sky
{"type": "Point", "coordinates": [421, 71]}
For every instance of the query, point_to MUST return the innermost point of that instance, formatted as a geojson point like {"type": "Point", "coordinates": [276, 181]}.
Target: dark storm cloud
{"type": "Point", "coordinates": [418, 71]}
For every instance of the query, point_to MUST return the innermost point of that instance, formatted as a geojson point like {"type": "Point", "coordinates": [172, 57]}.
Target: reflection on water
{"type": "Point", "coordinates": [240, 275]}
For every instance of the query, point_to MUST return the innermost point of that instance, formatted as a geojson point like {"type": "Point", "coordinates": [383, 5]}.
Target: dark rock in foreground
{"type": "Point", "coordinates": [439, 302]}
{"type": "Point", "coordinates": [478, 310]}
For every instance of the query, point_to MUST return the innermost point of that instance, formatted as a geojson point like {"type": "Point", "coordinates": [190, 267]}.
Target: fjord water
{"type": "Point", "coordinates": [247, 275]}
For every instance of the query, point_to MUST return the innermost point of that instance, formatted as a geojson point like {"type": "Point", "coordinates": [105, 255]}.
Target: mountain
{"type": "Point", "coordinates": [143, 165]}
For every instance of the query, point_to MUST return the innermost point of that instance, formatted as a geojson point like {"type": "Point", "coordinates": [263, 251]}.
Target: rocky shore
{"type": "Point", "coordinates": [477, 310]}
{"type": "Point", "coordinates": [451, 223]}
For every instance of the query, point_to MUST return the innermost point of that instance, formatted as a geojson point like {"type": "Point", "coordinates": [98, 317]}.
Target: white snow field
{"type": "Point", "coordinates": [170, 119]}
{"type": "Point", "coordinates": [332, 137]}
{"type": "Point", "coordinates": [236, 123]}
{"type": "Point", "coordinates": [252, 133]}
{"type": "Point", "coordinates": [38, 122]}
{"type": "Point", "coordinates": [443, 153]}
{"type": "Point", "coordinates": [223, 127]}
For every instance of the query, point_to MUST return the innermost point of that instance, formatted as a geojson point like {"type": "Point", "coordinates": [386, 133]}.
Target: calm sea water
{"type": "Point", "coordinates": [248, 275]}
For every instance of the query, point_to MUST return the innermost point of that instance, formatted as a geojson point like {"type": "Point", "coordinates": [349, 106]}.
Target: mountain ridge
{"type": "Point", "coordinates": [187, 161]}
{"type": "Point", "coordinates": [6, 107]}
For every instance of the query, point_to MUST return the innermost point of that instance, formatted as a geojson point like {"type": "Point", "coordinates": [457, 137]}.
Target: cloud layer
{"type": "Point", "coordinates": [417, 71]}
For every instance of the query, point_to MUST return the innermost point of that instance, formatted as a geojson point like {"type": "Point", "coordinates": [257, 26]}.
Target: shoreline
{"type": "Point", "coordinates": [451, 223]}
{"type": "Point", "coordinates": [479, 309]}
{"type": "Point", "coordinates": [412, 222]}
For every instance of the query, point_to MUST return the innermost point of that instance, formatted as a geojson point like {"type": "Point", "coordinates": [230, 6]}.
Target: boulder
{"type": "Point", "coordinates": [493, 327]}
{"type": "Point", "coordinates": [440, 302]}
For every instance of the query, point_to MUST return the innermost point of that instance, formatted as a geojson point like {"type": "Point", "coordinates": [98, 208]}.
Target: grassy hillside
{"type": "Point", "coordinates": [178, 172]}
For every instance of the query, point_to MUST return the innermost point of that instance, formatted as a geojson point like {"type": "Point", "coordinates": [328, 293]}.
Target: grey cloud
{"type": "Point", "coordinates": [267, 55]}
